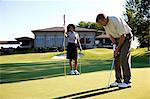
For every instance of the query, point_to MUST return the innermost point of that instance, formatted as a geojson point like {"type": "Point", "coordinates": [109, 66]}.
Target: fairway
{"type": "Point", "coordinates": [36, 76]}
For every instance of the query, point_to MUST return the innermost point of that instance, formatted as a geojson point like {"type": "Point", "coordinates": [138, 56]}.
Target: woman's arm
{"type": "Point", "coordinates": [79, 43]}
{"type": "Point", "coordinates": [66, 34]}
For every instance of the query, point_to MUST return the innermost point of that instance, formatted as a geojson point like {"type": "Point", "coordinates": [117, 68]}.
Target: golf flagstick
{"type": "Point", "coordinates": [64, 45]}
{"type": "Point", "coordinates": [80, 63]}
{"type": "Point", "coordinates": [113, 63]}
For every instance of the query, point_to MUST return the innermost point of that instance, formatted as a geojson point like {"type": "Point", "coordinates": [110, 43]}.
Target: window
{"type": "Point", "coordinates": [107, 41]}
{"type": "Point", "coordinates": [82, 40]}
{"type": "Point", "coordinates": [40, 39]}
{"type": "Point", "coordinates": [88, 40]}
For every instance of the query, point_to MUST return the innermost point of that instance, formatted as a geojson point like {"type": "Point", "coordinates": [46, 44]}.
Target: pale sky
{"type": "Point", "coordinates": [19, 17]}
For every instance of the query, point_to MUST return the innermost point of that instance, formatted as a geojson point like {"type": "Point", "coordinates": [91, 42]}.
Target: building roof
{"type": "Point", "coordinates": [102, 36]}
{"type": "Point", "coordinates": [61, 29]}
{"type": "Point", "coordinates": [9, 42]}
{"type": "Point", "coordinates": [23, 38]}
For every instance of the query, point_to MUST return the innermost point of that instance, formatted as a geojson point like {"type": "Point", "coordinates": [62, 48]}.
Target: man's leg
{"type": "Point", "coordinates": [125, 58]}
{"type": "Point", "coordinates": [118, 70]}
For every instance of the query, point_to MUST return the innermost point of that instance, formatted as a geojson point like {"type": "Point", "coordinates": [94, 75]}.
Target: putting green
{"type": "Point", "coordinates": [88, 85]}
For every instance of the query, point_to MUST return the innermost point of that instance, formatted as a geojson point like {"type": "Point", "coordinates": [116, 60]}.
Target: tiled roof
{"type": "Point", "coordinates": [9, 42]}
{"type": "Point", "coordinates": [23, 38]}
{"type": "Point", "coordinates": [61, 29]}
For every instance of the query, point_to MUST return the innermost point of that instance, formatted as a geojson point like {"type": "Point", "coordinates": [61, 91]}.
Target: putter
{"type": "Point", "coordinates": [113, 63]}
{"type": "Point", "coordinates": [108, 84]}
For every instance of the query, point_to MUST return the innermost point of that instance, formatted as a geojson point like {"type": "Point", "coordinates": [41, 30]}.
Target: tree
{"type": "Point", "coordinates": [90, 25]}
{"type": "Point", "coordinates": [137, 16]}
{"type": "Point", "coordinates": [83, 24]}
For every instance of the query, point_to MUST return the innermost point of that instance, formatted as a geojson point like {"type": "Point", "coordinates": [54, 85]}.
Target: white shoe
{"type": "Point", "coordinates": [72, 72]}
{"type": "Point", "coordinates": [124, 85]}
{"type": "Point", "coordinates": [115, 84]}
{"type": "Point", "coordinates": [76, 72]}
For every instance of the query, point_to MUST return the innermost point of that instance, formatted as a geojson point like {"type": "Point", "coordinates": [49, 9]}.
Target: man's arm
{"type": "Point", "coordinates": [121, 41]}
{"type": "Point", "coordinates": [112, 39]}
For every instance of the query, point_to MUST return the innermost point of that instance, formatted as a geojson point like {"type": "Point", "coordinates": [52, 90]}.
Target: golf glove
{"type": "Point", "coordinates": [114, 47]}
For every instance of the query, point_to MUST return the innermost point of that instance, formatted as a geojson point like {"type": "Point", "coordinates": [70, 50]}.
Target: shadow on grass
{"type": "Point", "coordinates": [16, 72]}
{"type": "Point", "coordinates": [141, 61]}
{"type": "Point", "coordinates": [90, 93]}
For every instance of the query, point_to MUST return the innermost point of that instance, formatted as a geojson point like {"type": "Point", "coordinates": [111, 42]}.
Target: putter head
{"type": "Point", "coordinates": [108, 86]}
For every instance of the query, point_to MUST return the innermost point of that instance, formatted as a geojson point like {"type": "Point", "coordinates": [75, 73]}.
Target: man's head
{"type": "Point", "coordinates": [101, 19]}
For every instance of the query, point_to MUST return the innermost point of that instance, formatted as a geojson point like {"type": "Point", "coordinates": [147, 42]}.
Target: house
{"type": "Point", "coordinates": [21, 42]}
{"type": "Point", "coordinates": [25, 42]}
{"type": "Point", "coordinates": [54, 37]}
{"type": "Point", "coordinates": [103, 41]}
{"type": "Point", "coordinates": [21, 45]}
{"type": "Point", "coordinates": [7, 47]}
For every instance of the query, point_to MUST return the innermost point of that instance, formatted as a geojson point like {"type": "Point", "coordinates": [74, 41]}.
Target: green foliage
{"type": "Point", "coordinates": [90, 25]}
{"type": "Point", "coordinates": [137, 16]}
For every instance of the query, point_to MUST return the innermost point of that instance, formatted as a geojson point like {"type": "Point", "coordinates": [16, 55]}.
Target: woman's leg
{"type": "Point", "coordinates": [70, 63]}
{"type": "Point", "coordinates": [76, 64]}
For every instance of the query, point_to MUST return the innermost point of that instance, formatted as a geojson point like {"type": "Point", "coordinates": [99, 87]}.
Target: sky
{"type": "Point", "coordinates": [19, 17]}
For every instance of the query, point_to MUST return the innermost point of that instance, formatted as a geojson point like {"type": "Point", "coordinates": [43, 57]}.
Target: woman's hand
{"type": "Point", "coordinates": [65, 34]}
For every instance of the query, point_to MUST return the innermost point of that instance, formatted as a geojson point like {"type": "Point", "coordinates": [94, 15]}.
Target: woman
{"type": "Point", "coordinates": [72, 47]}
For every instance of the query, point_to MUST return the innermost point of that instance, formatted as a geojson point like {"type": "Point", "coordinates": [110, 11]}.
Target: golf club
{"type": "Point", "coordinates": [113, 63]}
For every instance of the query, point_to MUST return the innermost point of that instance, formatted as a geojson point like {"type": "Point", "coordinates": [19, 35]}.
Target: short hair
{"type": "Point", "coordinates": [70, 25]}
{"type": "Point", "coordinates": [100, 17]}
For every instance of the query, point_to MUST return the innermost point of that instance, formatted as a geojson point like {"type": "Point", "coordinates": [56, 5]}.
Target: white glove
{"type": "Point", "coordinates": [114, 47]}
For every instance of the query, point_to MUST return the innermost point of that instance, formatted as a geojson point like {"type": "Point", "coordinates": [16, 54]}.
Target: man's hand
{"type": "Point", "coordinates": [118, 48]}
{"type": "Point", "coordinates": [116, 52]}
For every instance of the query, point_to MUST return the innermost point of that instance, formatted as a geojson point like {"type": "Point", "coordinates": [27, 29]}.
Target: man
{"type": "Point", "coordinates": [121, 36]}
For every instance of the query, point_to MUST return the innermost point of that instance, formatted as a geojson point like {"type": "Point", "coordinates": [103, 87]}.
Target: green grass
{"type": "Point", "coordinates": [22, 67]}
{"type": "Point", "coordinates": [31, 57]}
{"type": "Point", "coordinates": [141, 58]}
{"type": "Point", "coordinates": [85, 86]}
{"type": "Point", "coordinates": [37, 76]}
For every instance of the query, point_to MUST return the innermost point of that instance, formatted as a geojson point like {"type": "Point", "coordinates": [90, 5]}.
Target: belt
{"type": "Point", "coordinates": [128, 36]}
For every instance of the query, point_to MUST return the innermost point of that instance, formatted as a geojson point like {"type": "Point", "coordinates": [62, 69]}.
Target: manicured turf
{"type": "Point", "coordinates": [23, 67]}
{"type": "Point", "coordinates": [38, 76]}
{"type": "Point", "coordinates": [87, 85]}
